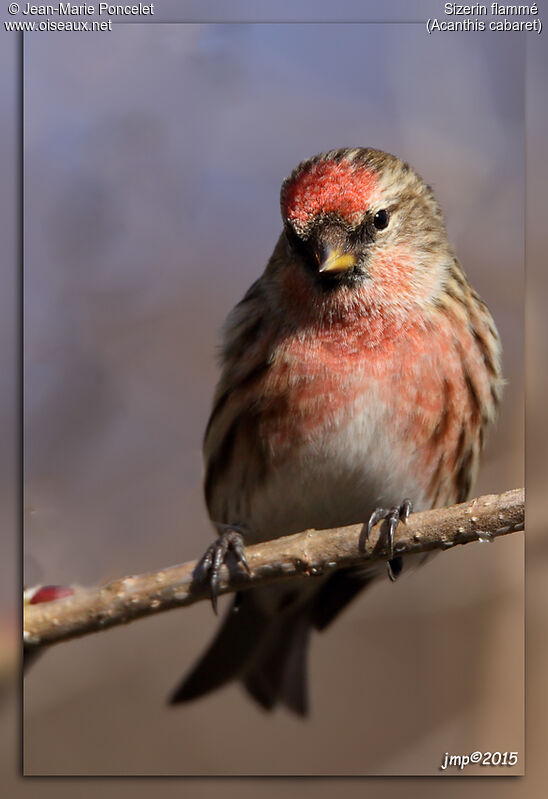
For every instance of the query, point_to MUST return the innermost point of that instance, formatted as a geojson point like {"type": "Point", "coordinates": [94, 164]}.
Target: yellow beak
{"type": "Point", "coordinates": [337, 261]}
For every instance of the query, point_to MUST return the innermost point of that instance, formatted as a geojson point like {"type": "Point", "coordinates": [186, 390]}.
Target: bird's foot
{"type": "Point", "coordinates": [230, 540]}
{"type": "Point", "coordinates": [393, 517]}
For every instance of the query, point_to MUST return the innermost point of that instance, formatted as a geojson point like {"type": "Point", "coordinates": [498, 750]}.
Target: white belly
{"type": "Point", "coordinates": [338, 479]}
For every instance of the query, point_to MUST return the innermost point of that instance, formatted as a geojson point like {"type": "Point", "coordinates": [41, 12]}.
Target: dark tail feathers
{"type": "Point", "coordinates": [267, 649]}
{"type": "Point", "coordinates": [267, 652]}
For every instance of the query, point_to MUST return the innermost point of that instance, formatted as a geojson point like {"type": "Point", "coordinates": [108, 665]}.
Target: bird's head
{"type": "Point", "coordinates": [362, 221]}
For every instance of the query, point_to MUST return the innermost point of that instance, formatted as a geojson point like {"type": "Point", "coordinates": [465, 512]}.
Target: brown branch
{"type": "Point", "coordinates": [306, 554]}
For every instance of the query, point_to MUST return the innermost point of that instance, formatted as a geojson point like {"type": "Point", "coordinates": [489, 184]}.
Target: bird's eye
{"type": "Point", "coordinates": [380, 220]}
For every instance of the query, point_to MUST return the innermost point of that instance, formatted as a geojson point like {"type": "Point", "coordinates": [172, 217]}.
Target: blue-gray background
{"type": "Point", "coordinates": [154, 156]}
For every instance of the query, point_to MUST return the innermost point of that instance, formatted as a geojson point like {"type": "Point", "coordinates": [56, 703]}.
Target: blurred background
{"type": "Point", "coordinates": [153, 160]}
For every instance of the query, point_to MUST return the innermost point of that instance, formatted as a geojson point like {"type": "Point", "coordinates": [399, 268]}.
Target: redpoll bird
{"type": "Point", "coordinates": [360, 369]}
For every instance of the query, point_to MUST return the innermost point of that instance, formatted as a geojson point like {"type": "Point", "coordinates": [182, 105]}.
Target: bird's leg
{"type": "Point", "coordinates": [393, 517]}
{"type": "Point", "coordinates": [230, 539]}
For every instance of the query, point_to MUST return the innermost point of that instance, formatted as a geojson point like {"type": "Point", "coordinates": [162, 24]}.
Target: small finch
{"type": "Point", "coordinates": [359, 373]}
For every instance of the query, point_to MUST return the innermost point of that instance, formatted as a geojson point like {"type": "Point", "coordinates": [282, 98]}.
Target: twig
{"type": "Point", "coordinates": [307, 554]}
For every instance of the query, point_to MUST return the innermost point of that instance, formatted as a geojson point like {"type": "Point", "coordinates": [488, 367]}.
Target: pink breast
{"type": "Point", "coordinates": [316, 385]}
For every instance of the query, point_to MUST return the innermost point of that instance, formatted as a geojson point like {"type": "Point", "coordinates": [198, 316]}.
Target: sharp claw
{"type": "Point", "coordinates": [221, 547]}
{"type": "Point", "coordinates": [406, 508]}
{"type": "Point", "coordinates": [393, 519]}
{"type": "Point", "coordinates": [207, 560]}
{"type": "Point", "coordinates": [237, 546]}
{"type": "Point", "coordinates": [214, 557]}
{"type": "Point", "coordinates": [376, 516]}
{"type": "Point", "coordinates": [394, 568]}
{"type": "Point", "coordinates": [392, 516]}
{"type": "Point", "coordinates": [214, 594]}
{"type": "Point", "coordinates": [243, 561]}
{"type": "Point", "coordinates": [214, 590]}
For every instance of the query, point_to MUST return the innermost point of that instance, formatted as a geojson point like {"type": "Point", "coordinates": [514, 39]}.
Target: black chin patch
{"type": "Point", "coordinates": [322, 238]}
{"type": "Point", "coordinates": [329, 281]}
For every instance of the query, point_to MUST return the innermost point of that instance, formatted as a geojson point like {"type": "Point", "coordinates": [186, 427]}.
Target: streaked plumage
{"type": "Point", "coordinates": [341, 391]}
